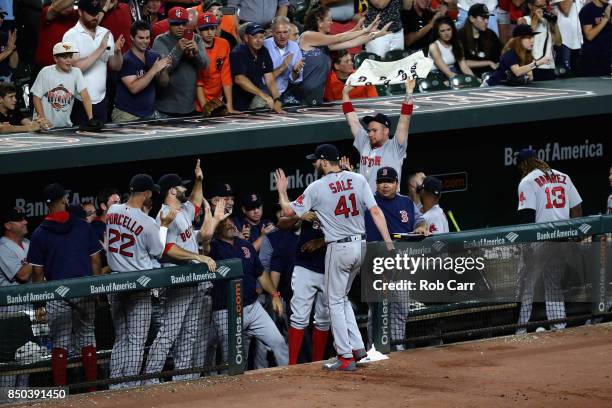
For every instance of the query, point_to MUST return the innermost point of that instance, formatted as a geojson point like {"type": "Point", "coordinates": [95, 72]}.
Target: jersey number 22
{"type": "Point", "coordinates": [127, 241]}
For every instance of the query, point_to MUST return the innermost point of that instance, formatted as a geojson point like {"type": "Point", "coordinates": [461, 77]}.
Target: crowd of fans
{"type": "Point", "coordinates": [104, 60]}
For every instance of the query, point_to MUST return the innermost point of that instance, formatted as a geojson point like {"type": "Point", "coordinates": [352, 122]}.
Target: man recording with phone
{"type": "Point", "coordinates": [188, 56]}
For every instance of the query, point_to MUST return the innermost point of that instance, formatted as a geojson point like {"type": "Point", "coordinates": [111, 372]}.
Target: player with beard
{"type": "Point", "coordinates": [179, 323]}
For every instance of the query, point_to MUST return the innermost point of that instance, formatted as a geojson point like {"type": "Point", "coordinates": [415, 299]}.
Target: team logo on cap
{"type": "Point", "coordinates": [253, 197]}
{"type": "Point", "coordinates": [384, 172]}
{"type": "Point", "coordinates": [178, 13]}
{"type": "Point", "coordinates": [228, 188]}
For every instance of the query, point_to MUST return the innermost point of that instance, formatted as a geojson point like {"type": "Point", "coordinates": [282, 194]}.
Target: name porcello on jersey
{"type": "Point", "coordinates": [557, 152]}
{"type": "Point", "coordinates": [124, 221]}
{"type": "Point", "coordinates": [296, 180]}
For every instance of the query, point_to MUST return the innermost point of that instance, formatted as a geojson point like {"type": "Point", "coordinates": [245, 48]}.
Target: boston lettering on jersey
{"type": "Point", "coordinates": [341, 185]}
{"type": "Point", "coordinates": [550, 178]}
{"type": "Point", "coordinates": [370, 161]}
{"type": "Point", "coordinates": [125, 221]}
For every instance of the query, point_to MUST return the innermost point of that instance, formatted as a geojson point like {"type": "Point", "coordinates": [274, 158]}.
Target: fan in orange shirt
{"type": "Point", "coordinates": [217, 77]}
{"type": "Point", "coordinates": [342, 68]}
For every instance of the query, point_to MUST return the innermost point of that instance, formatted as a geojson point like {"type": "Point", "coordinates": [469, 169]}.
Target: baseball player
{"type": "Point", "coordinates": [375, 148]}
{"type": "Point", "coordinates": [402, 216]}
{"type": "Point", "coordinates": [251, 226]}
{"type": "Point", "coordinates": [544, 195]}
{"type": "Point", "coordinates": [134, 239]}
{"type": "Point", "coordinates": [308, 285]}
{"type": "Point", "coordinates": [430, 192]}
{"type": "Point", "coordinates": [340, 199]}
{"type": "Point", "coordinates": [256, 322]}
{"type": "Point", "coordinates": [63, 247]}
{"type": "Point", "coordinates": [179, 323]}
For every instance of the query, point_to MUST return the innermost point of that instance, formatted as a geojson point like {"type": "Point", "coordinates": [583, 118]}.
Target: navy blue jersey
{"type": "Point", "coordinates": [239, 222]}
{"type": "Point", "coordinates": [314, 261]}
{"type": "Point", "coordinates": [99, 228]}
{"type": "Point", "coordinates": [251, 269]}
{"type": "Point", "coordinates": [63, 245]}
{"type": "Point", "coordinates": [284, 244]}
{"type": "Point", "coordinates": [401, 215]}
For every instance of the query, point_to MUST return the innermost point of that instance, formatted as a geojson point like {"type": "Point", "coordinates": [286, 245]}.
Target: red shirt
{"type": "Point", "coordinates": [514, 12]}
{"type": "Point", "coordinates": [333, 89]}
{"type": "Point", "coordinates": [119, 21]}
{"type": "Point", "coordinates": [52, 32]}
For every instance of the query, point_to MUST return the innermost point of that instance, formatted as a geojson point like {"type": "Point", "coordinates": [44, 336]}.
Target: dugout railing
{"type": "Point", "coordinates": [437, 322]}
{"type": "Point", "coordinates": [25, 338]}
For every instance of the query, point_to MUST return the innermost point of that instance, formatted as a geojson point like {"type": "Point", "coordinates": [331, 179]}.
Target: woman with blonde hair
{"type": "Point", "coordinates": [517, 62]}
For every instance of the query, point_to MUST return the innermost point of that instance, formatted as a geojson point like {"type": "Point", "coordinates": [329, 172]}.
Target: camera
{"type": "Point", "coordinates": [550, 17]}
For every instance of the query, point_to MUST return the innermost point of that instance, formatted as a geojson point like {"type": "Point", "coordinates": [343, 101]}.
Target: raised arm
{"type": "Point", "coordinates": [349, 112]}
{"type": "Point", "coordinates": [281, 187]}
{"type": "Point", "coordinates": [403, 124]}
{"type": "Point", "coordinates": [315, 38]}
{"type": "Point", "coordinates": [197, 195]}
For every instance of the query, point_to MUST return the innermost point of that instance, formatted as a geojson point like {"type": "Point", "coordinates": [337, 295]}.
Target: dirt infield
{"type": "Point", "coordinates": [572, 368]}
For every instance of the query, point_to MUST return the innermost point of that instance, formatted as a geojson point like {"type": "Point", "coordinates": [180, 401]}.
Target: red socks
{"type": "Point", "coordinates": [295, 344]}
{"type": "Point", "coordinates": [59, 365]}
{"type": "Point", "coordinates": [90, 364]}
{"type": "Point", "coordinates": [319, 343]}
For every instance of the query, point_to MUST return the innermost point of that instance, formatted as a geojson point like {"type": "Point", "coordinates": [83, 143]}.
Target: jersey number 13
{"type": "Point", "coordinates": [555, 197]}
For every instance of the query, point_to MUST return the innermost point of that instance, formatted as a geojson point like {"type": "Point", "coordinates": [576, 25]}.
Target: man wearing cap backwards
{"type": "Point", "coordinates": [134, 240]}
{"type": "Point", "coordinates": [95, 48]}
{"type": "Point", "coordinates": [430, 192]}
{"type": "Point", "coordinates": [340, 200]}
{"type": "Point", "coordinates": [252, 71]}
{"type": "Point", "coordinates": [142, 70]}
{"type": "Point", "coordinates": [402, 216]}
{"type": "Point", "coordinates": [217, 76]}
{"type": "Point", "coordinates": [55, 88]}
{"type": "Point", "coordinates": [375, 148]}
{"type": "Point", "coordinates": [188, 56]}
{"type": "Point", "coordinates": [179, 321]}
{"type": "Point", "coordinates": [63, 247]}
{"type": "Point", "coordinates": [544, 195]}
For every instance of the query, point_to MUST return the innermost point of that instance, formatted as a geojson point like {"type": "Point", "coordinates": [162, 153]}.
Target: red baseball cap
{"type": "Point", "coordinates": [206, 20]}
{"type": "Point", "coordinates": [178, 15]}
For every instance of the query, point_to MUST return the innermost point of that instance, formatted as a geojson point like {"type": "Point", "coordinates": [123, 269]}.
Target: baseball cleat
{"type": "Point", "coordinates": [359, 354]}
{"type": "Point", "coordinates": [340, 364]}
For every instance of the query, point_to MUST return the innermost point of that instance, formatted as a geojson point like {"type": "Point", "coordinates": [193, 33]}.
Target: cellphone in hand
{"type": "Point", "coordinates": [188, 34]}
{"type": "Point", "coordinates": [228, 11]}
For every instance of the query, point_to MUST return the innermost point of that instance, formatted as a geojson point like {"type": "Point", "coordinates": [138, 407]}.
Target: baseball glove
{"type": "Point", "coordinates": [213, 108]}
{"type": "Point", "coordinates": [92, 125]}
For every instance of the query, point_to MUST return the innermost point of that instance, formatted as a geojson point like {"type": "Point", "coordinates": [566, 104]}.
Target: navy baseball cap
{"type": "Point", "coordinates": [525, 154]}
{"type": "Point", "coordinates": [326, 152]}
{"type": "Point", "coordinates": [167, 181]}
{"type": "Point", "coordinates": [143, 182]}
{"type": "Point", "coordinates": [379, 117]}
{"type": "Point", "coordinates": [13, 215]}
{"type": "Point", "coordinates": [91, 7]}
{"type": "Point", "coordinates": [254, 28]}
{"type": "Point", "coordinates": [479, 10]}
{"type": "Point", "coordinates": [54, 192]}
{"type": "Point", "coordinates": [221, 189]}
{"type": "Point", "coordinates": [252, 201]}
{"type": "Point", "coordinates": [523, 30]}
{"type": "Point", "coordinates": [386, 174]}
{"type": "Point", "coordinates": [433, 185]}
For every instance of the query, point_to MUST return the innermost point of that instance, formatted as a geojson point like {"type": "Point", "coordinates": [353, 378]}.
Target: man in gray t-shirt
{"type": "Point", "coordinates": [375, 147]}
{"type": "Point", "coordinates": [260, 12]}
{"type": "Point", "coordinates": [13, 249]}
{"type": "Point", "coordinates": [55, 88]}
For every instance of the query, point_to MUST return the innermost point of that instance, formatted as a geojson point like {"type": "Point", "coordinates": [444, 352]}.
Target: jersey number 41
{"type": "Point", "coordinates": [343, 209]}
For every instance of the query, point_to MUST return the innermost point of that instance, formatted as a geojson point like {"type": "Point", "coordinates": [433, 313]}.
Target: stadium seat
{"type": "Point", "coordinates": [362, 56]}
{"type": "Point", "coordinates": [395, 55]}
{"type": "Point", "coordinates": [464, 81]}
{"type": "Point", "coordinates": [16, 331]}
{"type": "Point", "coordinates": [435, 81]}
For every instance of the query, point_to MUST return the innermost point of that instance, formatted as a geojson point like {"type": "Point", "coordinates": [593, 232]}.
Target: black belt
{"type": "Point", "coordinates": [352, 238]}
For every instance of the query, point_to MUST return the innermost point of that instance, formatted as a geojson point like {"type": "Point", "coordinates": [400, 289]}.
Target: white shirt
{"type": "Point", "coordinates": [95, 76]}
{"type": "Point", "coordinates": [542, 40]}
{"type": "Point", "coordinates": [550, 195]}
{"type": "Point", "coordinates": [446, 53]}
{"type": "Point", "coordinates": [436, 219]}
{"type": "Point", "coordinates": [569, 26]}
